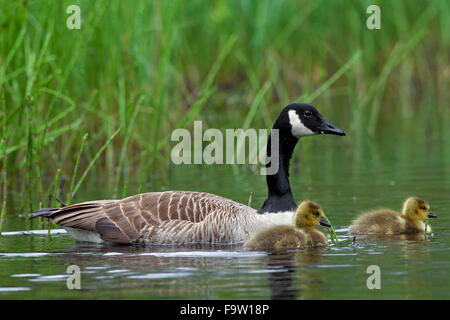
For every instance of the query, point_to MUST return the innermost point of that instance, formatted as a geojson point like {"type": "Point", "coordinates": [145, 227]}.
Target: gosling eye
{"type": "Point", "coordinates": [316, 213]}
{"type": "Point", "coordinates": [307, 114]}
{"type": "Point", "coordinates": [423, 208]}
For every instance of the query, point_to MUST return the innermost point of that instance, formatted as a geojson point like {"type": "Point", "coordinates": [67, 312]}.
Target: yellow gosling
{"type": "Point", "coordinates": [385, 221]}
{"type": "Point", "coordinates": [308, 215]}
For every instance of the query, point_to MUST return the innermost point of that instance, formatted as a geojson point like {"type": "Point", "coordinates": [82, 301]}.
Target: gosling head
{"type": "Point", "coordinates": [416, 209]}
{"type": "Point", "coordinates": [310, 214]}
{"type": "Point", "coordinates": [302, 119]}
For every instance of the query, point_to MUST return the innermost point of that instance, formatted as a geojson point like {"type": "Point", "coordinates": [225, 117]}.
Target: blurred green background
{"type": "Point", "coordinates": [148, 67]}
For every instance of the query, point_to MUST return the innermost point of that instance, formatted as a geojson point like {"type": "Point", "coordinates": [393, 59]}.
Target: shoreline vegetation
{"type": "Point", "coordinates": [102, 101]}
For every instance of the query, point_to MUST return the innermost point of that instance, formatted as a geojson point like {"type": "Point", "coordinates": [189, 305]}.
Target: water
{"type": "Point", "coordinates": [345, 175]}
{"type": "Point", "coordinates": [409, 270]}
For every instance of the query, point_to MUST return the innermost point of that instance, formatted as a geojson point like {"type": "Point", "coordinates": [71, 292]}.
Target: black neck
{"type": "Point", "coordinates": [280, 196]}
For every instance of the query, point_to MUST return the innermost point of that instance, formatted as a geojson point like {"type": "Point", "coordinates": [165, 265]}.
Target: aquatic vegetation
{"type": "Point", "coordinates": [333, 235]}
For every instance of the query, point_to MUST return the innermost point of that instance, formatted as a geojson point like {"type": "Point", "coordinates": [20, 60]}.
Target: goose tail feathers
{"type": "Point", "coordinates": [44, 212]}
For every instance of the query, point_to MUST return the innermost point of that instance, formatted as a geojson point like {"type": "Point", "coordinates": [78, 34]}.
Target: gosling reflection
{"type": "Point", "coordinates": [281, 284]}
{"type": "Point", "coordinates": [289, 278]}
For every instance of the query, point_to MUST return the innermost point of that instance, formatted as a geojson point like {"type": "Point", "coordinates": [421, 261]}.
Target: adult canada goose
{"type": "Point", "coordinates": [182, 217]}
{"type": "Point", "coordinates": [308, 215]}
{"type": "Point", "coordinates": [385, 221]}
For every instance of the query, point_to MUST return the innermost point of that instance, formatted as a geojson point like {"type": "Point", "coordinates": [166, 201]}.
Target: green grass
{"type": "Point", "coordinates": [148, 67]}
{"type": "Point", "coordinates": [333, 236]}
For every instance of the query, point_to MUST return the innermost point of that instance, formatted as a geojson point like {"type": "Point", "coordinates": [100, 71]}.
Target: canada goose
{"type": "Point", "coordinates": [308, 215]}
{"type": "Point", "coordinates": [385, 221]}
{"type": "Point", "coordinates": [182, 217]}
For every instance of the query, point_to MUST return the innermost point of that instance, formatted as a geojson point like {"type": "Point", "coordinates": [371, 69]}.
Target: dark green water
{"type": "Point", "coordinates": [346, 175]}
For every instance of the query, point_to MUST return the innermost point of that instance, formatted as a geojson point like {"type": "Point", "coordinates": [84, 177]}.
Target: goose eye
{"type": "Point", "coordinates": [423, 208]}
{"type": "Point", "coordinates": [307, 114]}
{"type": "Point", "coordinates": [316, 213]}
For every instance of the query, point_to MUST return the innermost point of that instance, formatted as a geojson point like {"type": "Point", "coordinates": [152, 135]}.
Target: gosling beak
{"type": "Point", "coordinates": [327, 128]}
{"type": "Point", "coordinates": [431, 214]}
{"type": "Point", "coordinates": [324, 222]}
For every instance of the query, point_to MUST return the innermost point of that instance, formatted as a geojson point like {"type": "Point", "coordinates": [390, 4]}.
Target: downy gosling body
{"type": "Point", "coordinates": [307, 215]}
{"type": "Point", "coordinates": [385, 221]}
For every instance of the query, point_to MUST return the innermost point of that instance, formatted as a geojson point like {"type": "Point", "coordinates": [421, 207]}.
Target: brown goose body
{"type": "Point", "coordinates": [182, 217]}
{"type": "Point", "coordinates": [171, 217]}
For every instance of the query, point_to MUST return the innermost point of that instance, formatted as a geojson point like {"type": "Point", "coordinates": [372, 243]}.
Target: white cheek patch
{"type": "Point", "coordinates": [298, 128]}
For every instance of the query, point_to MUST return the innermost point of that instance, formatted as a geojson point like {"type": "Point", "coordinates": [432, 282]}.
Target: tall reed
{"type": "Point", "coordinates": [148, 67]}
{"type": "Point", "coordinates": [3, 172]}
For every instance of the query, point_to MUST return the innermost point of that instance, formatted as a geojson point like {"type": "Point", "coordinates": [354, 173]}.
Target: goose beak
{"type": "Point", "coordinates": [324, 222]}
{"type": "Point", "coordinates": [431, 214]}
{"type": "Point", "coordinates": [327, 128]}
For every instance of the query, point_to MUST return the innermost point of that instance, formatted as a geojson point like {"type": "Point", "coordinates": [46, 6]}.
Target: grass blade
{"type": "Point", "coordinates": [333, 235]}
{"type": "Point", "coordinates": [91, 164]}
{"type": "Point", "coordinates": [75, 169]}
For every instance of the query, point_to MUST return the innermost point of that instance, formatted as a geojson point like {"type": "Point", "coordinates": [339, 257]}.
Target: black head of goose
{"type": "Point", "coordinates": [295, 121]}
{"type": "Point", "coordinates": [183, 217]}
